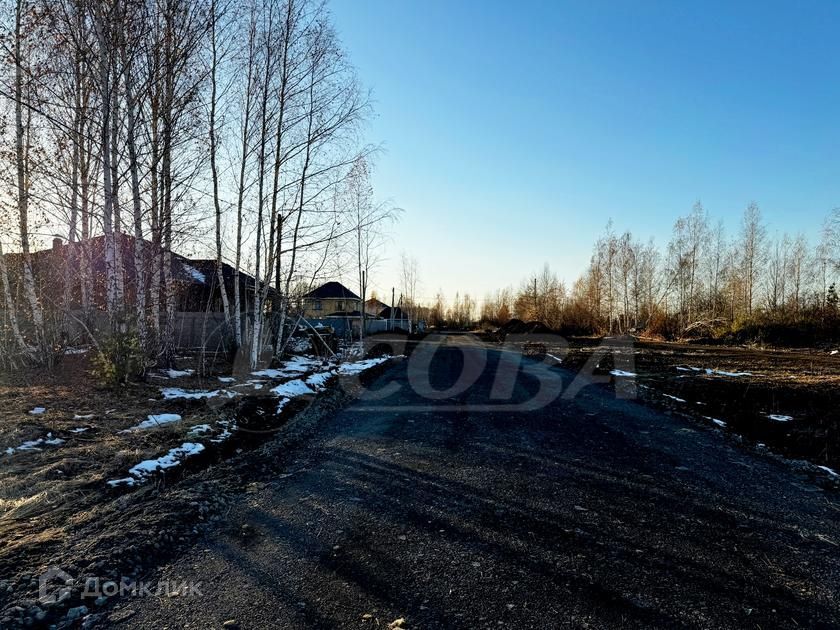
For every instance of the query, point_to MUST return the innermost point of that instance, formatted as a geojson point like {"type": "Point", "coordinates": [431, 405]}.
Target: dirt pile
{"type": "Point", "coordinates": [518, 327]}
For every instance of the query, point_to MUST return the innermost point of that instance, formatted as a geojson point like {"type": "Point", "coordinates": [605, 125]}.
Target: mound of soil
{"type": "Point", "coordinates": [518, 327]}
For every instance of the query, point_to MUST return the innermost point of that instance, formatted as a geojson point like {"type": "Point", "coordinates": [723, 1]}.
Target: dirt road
{"type": "Point", "coordinates": [467, 512]}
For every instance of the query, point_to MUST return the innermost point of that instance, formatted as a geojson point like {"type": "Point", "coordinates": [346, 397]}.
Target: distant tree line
{"type": "Point", "coordinates": [755, 284]}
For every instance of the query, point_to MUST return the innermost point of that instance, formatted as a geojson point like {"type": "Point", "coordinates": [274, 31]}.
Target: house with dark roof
{"type": "Point", "coordinates": [374, 307]}
{"type": "Point", "coordinates": [331, 299]}
{"type": "Point", "coordinates": [196, 281]}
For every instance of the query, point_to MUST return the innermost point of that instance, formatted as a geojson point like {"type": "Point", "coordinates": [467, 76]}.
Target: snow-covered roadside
{"type": "Point", "coordinates": [357, 367]}
{"type": "Point", "coordinates": [310, 375]}
{"type": "Point", "coordinates": [141, 472]}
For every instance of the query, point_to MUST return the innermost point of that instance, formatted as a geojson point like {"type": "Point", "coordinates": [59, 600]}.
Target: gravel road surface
{"type": "Point", "coordinates": [480, 509]}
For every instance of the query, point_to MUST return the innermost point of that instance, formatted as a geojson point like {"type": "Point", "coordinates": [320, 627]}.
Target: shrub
{"type": "Point", "coordinates": [120, 358]}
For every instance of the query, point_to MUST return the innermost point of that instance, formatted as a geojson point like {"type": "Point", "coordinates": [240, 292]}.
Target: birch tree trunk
{"type": "Point", "coordinates": [215, 171]}
{"type": "Point", "coordinates": [137, 214]}
{"type": "Point", "coordinates": [256, 339]}
{"type": "Point", "coordinates": [101, 23]}
{"type": "Point", "coordinates": [237, 297]}
{"type": "Point", "coordinates": [23, 183]}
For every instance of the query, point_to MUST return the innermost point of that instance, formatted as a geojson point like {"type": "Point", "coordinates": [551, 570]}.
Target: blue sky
{"type": "Point", "coordinates": [512, 132]}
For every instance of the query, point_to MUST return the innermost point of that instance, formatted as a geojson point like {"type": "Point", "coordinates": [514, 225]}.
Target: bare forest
{"type": "Point", "coordinates": [754, 284]}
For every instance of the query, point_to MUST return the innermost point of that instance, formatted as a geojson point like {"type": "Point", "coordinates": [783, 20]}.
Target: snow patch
{"type": "Point", "coordinates": [37, 411]}
{"type": "Point", "coordinates": [723, 373]}
{"type": "Point", "coordinates": [171, 393]}
{"type": "Point", "coordinates": [36, 445]}
{"type": "Point", "coordinates": [319, 380]}
{"type": "Point", "coordinates": [830, 471]}
{"type": "Point", "coordinates": [199, 429]}
{"type": "Point", "coordinates": [79, 429]}
{"type": "Point", "coordinates": [357, 367]}
{"type": "Point", "coordinates": [622, 373]}
{"type": "Point", "coordinates": [293, 367]}
{"type": "Point", "coordinates": [680, 400]}
{"type": "Point", "coordinates": [228, 428]}
{"type": "Point", "coordinates": [155, 421]}
{"type": "Point", "coordinates": [140, 472]}
{"type": "Point", "coordinates": [178, 373]}
{"type": "Point", "coordinates": [292, 389]}
{"type": "Point", "coordinates": [779, 418]}
{"type": "Point", "coordinates": [76, 350]}
{"type": "Point", "coordinates": [226, 379]}
{"type": "Point", "coordinates": [270, 373]}
{"type": "Point", "coordinates": [88, 416]}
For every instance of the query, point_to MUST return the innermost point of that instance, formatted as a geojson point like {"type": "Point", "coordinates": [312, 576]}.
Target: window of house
{"type": "Point", "coordinates": [339, 306]}
{"type": "Point", "coordinates": [317, 305]}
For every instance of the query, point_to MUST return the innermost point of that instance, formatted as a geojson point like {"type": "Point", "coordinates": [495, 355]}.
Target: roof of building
{"type": "Point", "coordinates": [398, 313]}
{"type": "Point", "coordinates": [332, 290]}
{"type": "Point", "coordinates": [184, 270]}
{"type": "Point", "coordinates": [373, 303]}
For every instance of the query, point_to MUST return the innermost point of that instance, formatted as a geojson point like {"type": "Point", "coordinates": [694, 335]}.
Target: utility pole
{"type": "Point", "coordinates": [535, 299]}
{"type": "Point", "coordinates": [391, 327]}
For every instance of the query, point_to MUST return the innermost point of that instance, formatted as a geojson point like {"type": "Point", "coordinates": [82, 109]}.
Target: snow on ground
{"type": "Point", "coordinates": [171, 393]}
{"type": "Point", "coordinates": [293, 367]}
{"type": "Point", "coordinates": [299, 344]}
{"type": "Point", "coordinates": [681, 400]}
{"type": "Point", "coordinates": [720, 423]}
{"type": "Point", "coordinates": [226, 379]}
{"type": "Point", "coordinates": [37, 411]}
{"type": "Point", "coordinates": [292, 389]}
{"type": "Point", "coordinates": [155, 421]}
{"type": "Point", "coordinates": [779, 417]}
{"type": "Point", "coordinates": [140, 472]}
{"type": "Point", "coordinates": [36, 445]}
{"type": "Point", "coordinates": [357, 367]}
{"type": "Point", "coordinates": [319, 380]}
{"type": "Point", "coordinates": [270, 373]}
{"type": "Point", "coordinates": [830, 471]}
{"type": "Point", "coordinates": [178, 373]}
{"type": "Point", "coordinates": [722, 373]}
{"type": "Point", "coordinates": [228, 428]}
{"type": "Point", "coordinates": [87, 416]}
{"type": "Point", "coordinates": [79, 429]}
{"type": "Point", "coordinates": [710, 371]}
{"type": "Point", "coordinates": [298, 366]}
{"type": "Point", "coordinates": [353, 350]}
{"type": "Point", "coordinates": [622, 373]}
